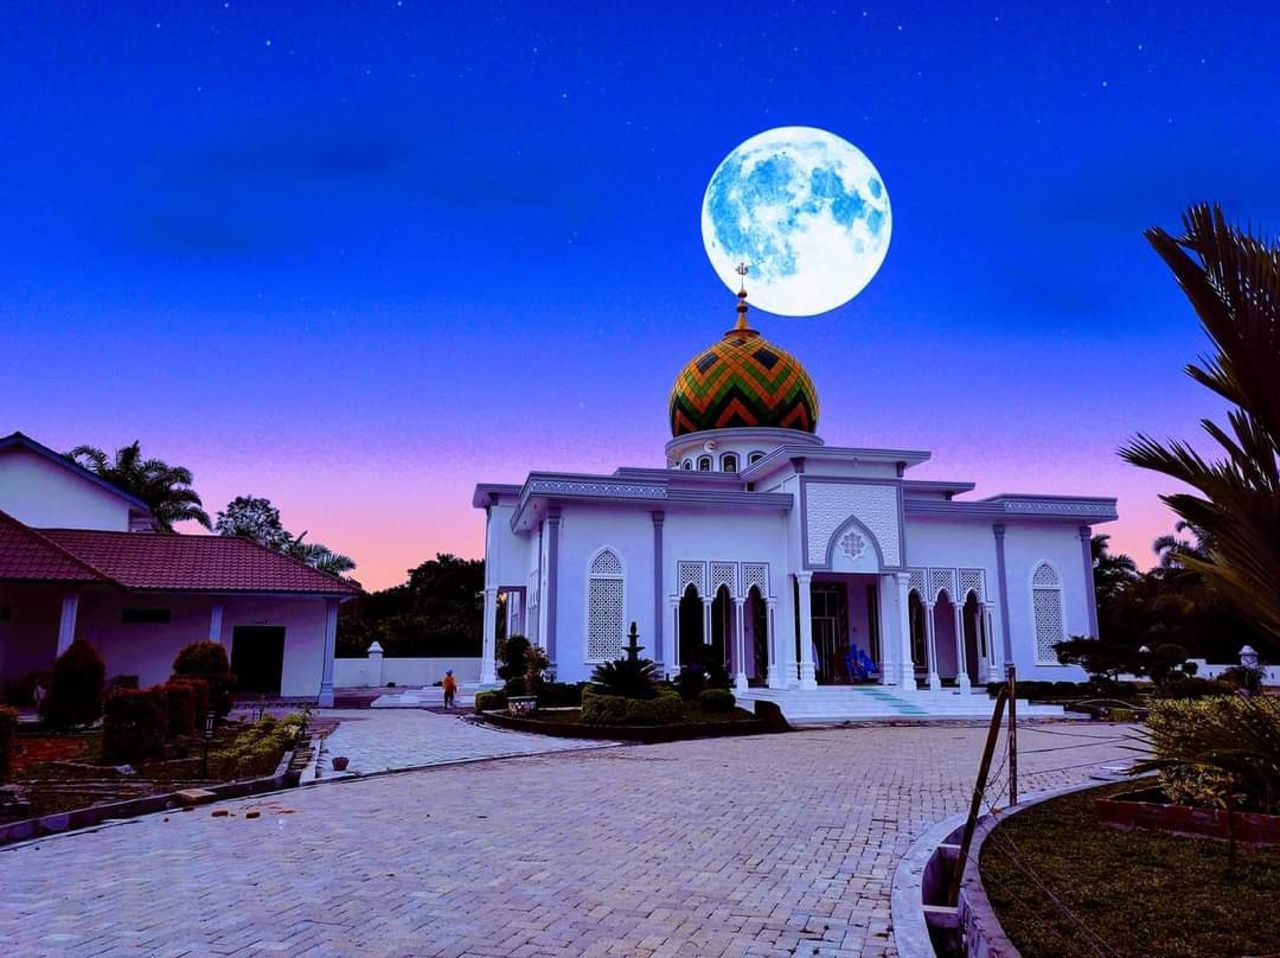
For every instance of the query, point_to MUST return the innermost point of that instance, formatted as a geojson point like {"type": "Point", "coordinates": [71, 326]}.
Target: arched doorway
{"type": "Point", "coordinates": [692, 650]}
{"type": "Point", "coordinates": [756, 620]}
{"type": "Point", "coordinates": [919, 635]}
{"type": "Point", "coordinates": [975, 645]}
{"type": "Point", "coordinates": [944, 636]}
{"type": "Point", "coordinates": [717, 653]}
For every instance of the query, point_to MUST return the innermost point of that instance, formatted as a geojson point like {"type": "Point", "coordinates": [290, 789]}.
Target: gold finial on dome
{"type": "Point", "coordinates": [742, 270]}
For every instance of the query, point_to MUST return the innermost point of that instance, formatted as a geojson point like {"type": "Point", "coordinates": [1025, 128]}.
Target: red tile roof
{"type": "Point", "coordinates": [177, 562]}
{"type": "Point", "coordinates": [27, 555]}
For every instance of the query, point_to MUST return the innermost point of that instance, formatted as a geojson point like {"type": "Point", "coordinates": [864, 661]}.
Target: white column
{"type": "Point", "coordinates": [995, 667]}
{"type": "Point", "coordinates": [215, 624]}
{"type": "Point", "coordinates": [931, 647]}
{"type": "Point", "coordinates": [373, 665]}
{"type": "Point", "coordinates": [488, 673]}
{"type": "Point", "coordinates": [962, 658]}
{"type": "Point", "coordinates": [672, 638]}
{"type": "Point", "coordinates": [67, 622]}
{"type": "Point", "coordinates": [774, 676]}
{"type": "Point", "coordinates": [706, 621]}
{"type": "Point", "coordinates": [325, 699]}
{"type": "Point", "coordinates": [886, 607]}
{"type": "Point", "coordinates": [740, 647]}
{"type": "Point", "coordinates": [514, 610]}
{"type": "Point", "coordinates": [906, 665]}
{"type": "Point", "coordinates": [808, 679]}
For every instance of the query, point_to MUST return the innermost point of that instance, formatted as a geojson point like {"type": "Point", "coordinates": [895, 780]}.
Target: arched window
{"type": "Point", "coordinates": [606, 607]}
{"type": "Point", "coordinates": [1046, 606]}
{"type": "Point", "coordinates": [754, 458]}
{"type": "Point", "coordinates": [729, 462]}
{"type": "Point", "coordinates": [704, 463]}
{"type": "Point", "coordinates": [687, 465]}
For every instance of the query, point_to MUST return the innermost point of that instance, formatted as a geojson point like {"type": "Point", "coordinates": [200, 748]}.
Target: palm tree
{"type": "Point", "coordinates": [319, 557]}
{"type": "Point", "coordinates": [164, 488]}
{"type": "Point", "coordinates": [1112, 572]}
{"type": "Point", "coordinates": [1233, 282]}
{"type": "Point", "coordinates": [1171, 548]}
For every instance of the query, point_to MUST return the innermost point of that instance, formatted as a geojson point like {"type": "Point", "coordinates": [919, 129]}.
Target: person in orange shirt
{"type": "Point", "coordinates": [450, 685]}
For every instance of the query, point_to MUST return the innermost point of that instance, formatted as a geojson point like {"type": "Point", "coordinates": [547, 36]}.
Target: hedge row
{"type": "Point", "coordinates": [8, 729]}
{"type": "Point", "coordinates": [667, 708]}
{"type": "Point", "coordinates": [136, 723]}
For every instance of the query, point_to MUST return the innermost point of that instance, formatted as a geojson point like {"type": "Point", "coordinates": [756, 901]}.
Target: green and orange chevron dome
{"type": "Point", "coordinates": [743, 381]}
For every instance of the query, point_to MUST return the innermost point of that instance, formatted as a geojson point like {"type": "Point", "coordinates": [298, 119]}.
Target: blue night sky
{"type": "Point", "coordinates": [357, 257]}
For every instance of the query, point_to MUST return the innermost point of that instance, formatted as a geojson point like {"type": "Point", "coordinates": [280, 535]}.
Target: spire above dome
{"type": "Point", "coordinates": [743, 381]}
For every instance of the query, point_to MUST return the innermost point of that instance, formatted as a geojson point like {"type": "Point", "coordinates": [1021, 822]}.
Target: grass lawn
{"type": "Point", "coordinates": [1143, 894]}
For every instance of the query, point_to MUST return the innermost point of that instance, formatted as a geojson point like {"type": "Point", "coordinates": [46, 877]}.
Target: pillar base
{"type": "Point", "coordinates": [935, 683]}
{"type": "Point", "coordinates": [773, 679]}
{"type": "Point", "coordinates": [325, 699]}
{"type": "Point", "coordinates": [808, 679]}
{"type": "Point", "coordinates": [740, 682]}
{"type": "Point", "coordinates": [966, 686]}
{"type": "Point", "coordinates": [906, 678]}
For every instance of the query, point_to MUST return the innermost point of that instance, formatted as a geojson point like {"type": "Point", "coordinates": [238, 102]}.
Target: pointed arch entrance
{"type": "Point", "coordinates": [691, 615]}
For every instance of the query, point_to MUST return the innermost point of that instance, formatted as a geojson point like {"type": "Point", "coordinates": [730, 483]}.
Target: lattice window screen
{"type": "Point", "coordinates": [724, 574]}
{"type": "Point", "coordinates": [690, 574]}
{"type": "Point", "coordinates": [604, 619]}
{"type": "Point", "coordinates": [606, 563]}
{"type": "Point", "coordinates": [755, 574]}
{"type": "Point", "coordinates": [917, 583]}
{"type": "Point", "coordinates": [942, 580]}
{"type": "Point", "coordinates": [1046, 602]}
{"type": "Point", "coordinates": [975, 581]}
{"type": "Point", "coordinates": [1044, 576]}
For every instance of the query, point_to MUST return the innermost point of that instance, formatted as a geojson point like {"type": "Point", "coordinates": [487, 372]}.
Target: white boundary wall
{"type": "Point", "coordinates": [374, 671]}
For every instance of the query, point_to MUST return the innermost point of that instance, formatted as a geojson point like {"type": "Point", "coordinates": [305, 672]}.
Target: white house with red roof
{"type": "Point", "coordinates": [79, 559]}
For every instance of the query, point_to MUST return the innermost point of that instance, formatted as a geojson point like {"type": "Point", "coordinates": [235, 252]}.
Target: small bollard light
{"type": "Point", "coordinates": [210, 718]}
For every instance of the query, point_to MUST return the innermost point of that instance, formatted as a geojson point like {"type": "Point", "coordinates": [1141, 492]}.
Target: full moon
{"type": "Point", "coordinates": [806, 211]}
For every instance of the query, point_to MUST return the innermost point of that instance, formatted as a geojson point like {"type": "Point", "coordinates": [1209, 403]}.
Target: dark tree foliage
{"type": "Point", "coordinates": [75, 690]}
{"type": "Point", "coordinates": [436, 612]}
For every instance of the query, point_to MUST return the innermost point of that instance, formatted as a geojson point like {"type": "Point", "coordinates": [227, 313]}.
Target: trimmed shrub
{"type": "Point", "coordinates": [493, 701]}
{"type": "Point", "coordinates": [8, 730]}
{"type": "Point", "coordinates": [1243, 677]}
{"type": "Point", "coordinates": [600, 708]}
{"type": "Point", "coordinates": [134, 725]}
{"type": "Point", "coordinates": [180, 708]}
{"type": "Point", "coordinates": [716, 700]}
{"type": "Point", "coordinates": [208, 660]}
{"type": "Point", "coordinates": [691, 681]}
{"type": "Point", "coordinates": [75, 688]}
{"type": "Point", "coordinates": [511, 653]}
{"type": "Point", "coordinates": [200, 696]}
{"type": "Point", "coordinates": [1218, 752]}
{"type": "Point", "coordinates": [1191, 688]}
{"type": "Point", "coordinates": [560, 695]}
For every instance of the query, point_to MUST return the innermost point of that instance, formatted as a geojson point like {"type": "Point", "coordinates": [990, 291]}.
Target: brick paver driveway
{"type": "Point", "coordinates": [774, 845]}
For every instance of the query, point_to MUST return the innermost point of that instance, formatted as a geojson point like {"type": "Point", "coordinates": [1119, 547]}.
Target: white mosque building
{"type": "Point", "coordinates": [811, 573]}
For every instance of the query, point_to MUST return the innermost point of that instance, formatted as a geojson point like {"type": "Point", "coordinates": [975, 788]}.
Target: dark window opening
{"type": "Point", "coordinates": [145, 616]}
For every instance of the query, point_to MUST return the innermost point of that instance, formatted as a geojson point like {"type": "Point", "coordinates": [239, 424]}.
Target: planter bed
{"type": "Point", "coordinates": [1151, 809]}
{"type": "Point", "coordinates": [1145, 894]}
{"type": "Point", "coordinates": [564, 723]}
{"type": "Point", "coordinates": [87, 817]}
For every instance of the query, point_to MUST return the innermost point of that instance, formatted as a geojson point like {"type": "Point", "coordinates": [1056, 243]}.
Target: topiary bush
{"type": "Point", "coordinates": [75, 687]}
{"type": "Point", "coordinates": [716, 700]}
{"type": "Point", "coordinates": [180, 708]}
{"type": "Point", "coordinates": [208, 660]}
{"type": "Point", "coordinates": [134, 724]}
{"type": "Point", "coordinates": [199, 694]}
{"type": "Point", "coordinates": [691, 681]}
{"type": "Point", "coordinates": [8, 730]}
{"type": "Point", "coordinates": [493, 701]}
{"type": "Point", "coordinates": [512, 654]}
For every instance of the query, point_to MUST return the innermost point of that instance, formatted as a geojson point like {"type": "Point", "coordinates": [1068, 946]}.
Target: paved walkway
{"type": "Point", "coordinates": [773, 845]}
{"type": "Point", "coordinates": [376, 740]}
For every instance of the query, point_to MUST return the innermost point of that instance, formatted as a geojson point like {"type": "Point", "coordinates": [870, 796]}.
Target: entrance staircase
{"type": "Point", "coordinates": [855, 703]}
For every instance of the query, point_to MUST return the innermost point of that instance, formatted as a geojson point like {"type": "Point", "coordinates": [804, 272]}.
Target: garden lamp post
{"type": "Point", "coordinates": [210, 718]}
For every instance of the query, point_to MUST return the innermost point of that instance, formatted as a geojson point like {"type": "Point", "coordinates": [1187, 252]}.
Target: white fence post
{"type": "Point", "coordinates": [373, 668]}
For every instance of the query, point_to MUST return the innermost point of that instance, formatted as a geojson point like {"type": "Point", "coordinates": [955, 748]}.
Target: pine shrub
{"type": "Point", "coordinates": [8, 731]}
{"type": "Point", "coordinates": [134, 725]}
{"type": "Point", "coordinates": [75, 688]}
{"type": "Point", "coordinates": [208, 660]}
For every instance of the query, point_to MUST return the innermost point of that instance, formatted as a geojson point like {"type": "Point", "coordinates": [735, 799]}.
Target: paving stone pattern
{"type": "Point", "coordinates": [772, 845]}
{"type": "Point", "coordinates": [379, 739]}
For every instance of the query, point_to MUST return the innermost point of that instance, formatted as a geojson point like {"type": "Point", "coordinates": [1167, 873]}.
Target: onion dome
{"type": "Point", "coordinates": [743, 381]}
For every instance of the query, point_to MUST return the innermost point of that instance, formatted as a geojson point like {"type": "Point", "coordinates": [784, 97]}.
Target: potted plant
{"type": "Point", "coordinates": [339, 763]}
